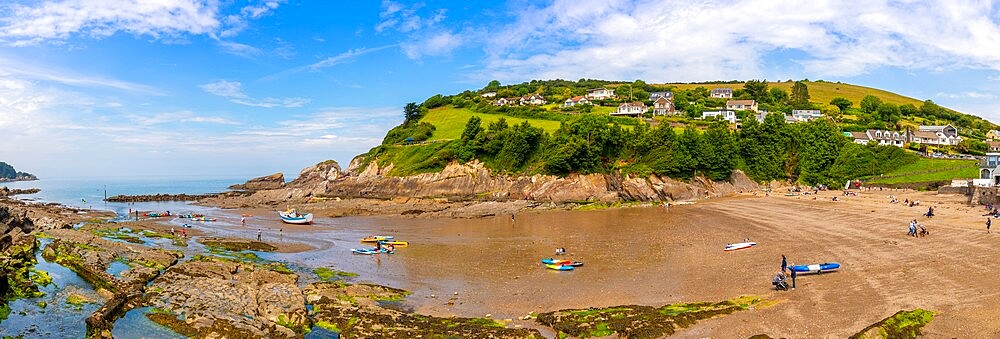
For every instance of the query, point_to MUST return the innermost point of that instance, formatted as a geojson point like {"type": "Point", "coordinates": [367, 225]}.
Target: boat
{"type": "Point", "coordinates": [554, 261]}
{"type": "Point", "coordinates": [191, 216]}
{"type": "Point", "coordinates": [293, 217]}
{"type": "Point", "coordinates": [204, 219]}
{"type": "Point", "coordinates": [394, 243]}
{"type": "Point", "coordinates": [377, 238]}
{"type": "Point", "coordinates": [817, 268]}
{"type": "Point", "coordinates": [739, 246]}
{"type": "Point", "coordinates": [370, 251]}
{"type": "Point", "coordinates": [559, 267]}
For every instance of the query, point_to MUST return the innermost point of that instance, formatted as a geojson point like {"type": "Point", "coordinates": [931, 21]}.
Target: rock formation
{"type": "Point", "coordinates": [270, 182]}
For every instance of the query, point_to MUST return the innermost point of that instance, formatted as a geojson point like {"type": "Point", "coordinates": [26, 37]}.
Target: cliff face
{"type": "Point", "coordinates": [472, 181]}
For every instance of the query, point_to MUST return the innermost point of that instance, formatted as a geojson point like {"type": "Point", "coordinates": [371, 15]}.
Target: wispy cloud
{"type": "Point", "coordinates": [57, 20]}
{"type": "Point", "coordinates": [23, 69]}
{"type": "Point", "coordinates": [403, 18]}
{"type": "Point", "coordinates": [424, 32]}
{"type": "Point", "coordinates": [966, 95]}
{"type": "Point", "coordinates": [233, 90]}
{"type": "Point", "coordinates": [180, 117]}
{"type": "Point", "coordinates": [345, 57]}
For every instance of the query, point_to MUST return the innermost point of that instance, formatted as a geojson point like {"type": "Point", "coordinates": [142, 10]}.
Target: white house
{"type": "Point", "coordinates": [631, 108]}
{"type": "Point", "coordinates": [506, 101]}
{"type": "Point", "coordinates": [806, 114]}
{"type": "Point", "coordinates": [488, 94]}
{"type": "Point", "coordinates": [579, 100]}
{"type": "Point", "coordinates": [534, 99]}
{"type": "Point", "coordinates": [729, 116]}
{"type": "Point", "coordinates": [989, 168]}
{"type": "Point", "coordinates": [741, 105]}
{"type": "Point", "coordinates": [891, 138]}
{"type": "Point", "coordinates": [600, 94]}
{"type": "Point", "coordinates": [936, 135]}
{"type": "Point", "coordinates": [663, 102]}
{"type": "Point", "coordinates": [722, 93]}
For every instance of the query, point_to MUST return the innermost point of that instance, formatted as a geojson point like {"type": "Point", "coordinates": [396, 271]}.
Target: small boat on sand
{"type": "Point", "coordinates": [377, 238]}
{"type": "Point", "coordinates": [204, 219]}
{"type": "Point", "coordinates": [815, 268]}
{"type": "Point", "coordinates": [394, 243]}
{"type": "Point", "coordinates": [559, 267]}
{"type": "Point", "coordinates": [739, 246]}
{"type": "Point", "coordinates": [554, 261]}
{"type": "Point", "coordinates": [370, 251]}
{"type": "Point", "coordinates": [293, 217]}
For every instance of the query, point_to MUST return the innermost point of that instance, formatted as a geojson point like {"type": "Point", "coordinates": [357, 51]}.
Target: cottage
{"type": "Point", "coordinates": [741, 105]}
{"type": "Point", "coordinates": [663, 102]}
{"type": "Point", "coordinates": [631, 108]}
{"type": "Point", "coordinates": [806, 114]}
{"type": "Point", "coordinates": [534, 99]}
{"type": "Point", "coordinates": [721, 93]}
{"type": "Point", "coordinates": [600, 94]}
{"type": "Point", "coordinates": [993, 135]}
{"type": "Point", "coordinates": [506, 102]}
{"type": "Point", "coordinates": [860, 138]}
{"type": "Point", "coordinates": [890, 138]}
{"type": "Point", "coordinates": [936, 135]}
{"type": "Point", "coordinates": [578, 100]}
{"type": "Point", "coordinates": [488, 94]}
{"type": "Point", "coordinates": [729, 116]}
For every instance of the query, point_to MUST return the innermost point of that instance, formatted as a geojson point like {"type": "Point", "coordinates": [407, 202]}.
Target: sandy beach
{"type": "Point", "coordinates": [655, 256]}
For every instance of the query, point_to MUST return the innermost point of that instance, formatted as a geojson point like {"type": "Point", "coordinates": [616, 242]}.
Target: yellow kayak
{"type": "Point", "coordinates": [395, 243]}
{"type": "Point", "coordinates": [376, 238]}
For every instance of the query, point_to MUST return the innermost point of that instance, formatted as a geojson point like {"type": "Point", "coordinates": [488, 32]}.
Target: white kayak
{"type": "Point", "coordinates": [739, 246]}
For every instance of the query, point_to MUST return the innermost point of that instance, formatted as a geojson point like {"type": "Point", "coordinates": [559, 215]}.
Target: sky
{"type": "Point", "coordinates": [244, 88]}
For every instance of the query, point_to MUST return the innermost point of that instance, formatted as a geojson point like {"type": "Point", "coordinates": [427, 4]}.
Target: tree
{"type": "Point", "coordinates": [757, 89]}
{"type": "Point", "coordinates": [411, 112]}
{"type": "Point", "coordinates": [779, 95]}
{"type": "Point", "coordinates": [870, 103]}
{"type": "Point", "coordinates": [800, 95]}
{"type": "Point", "coordinates": [889, 113]}
{"type": "Point", "coordinates": [493, 85]}
{"type": "Point", "coordinates": [832, 111]}
{"type": "Point", "coordinates": [719, 152]}
{"type": "Point", "coordinates": [842, 103]}
{"type": "Point", "coordinates": [472, 128]}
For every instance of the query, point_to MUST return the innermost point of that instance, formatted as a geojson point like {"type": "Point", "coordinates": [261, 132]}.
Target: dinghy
{"type": "Point", "coordinates": [739, 246]}
{"type": "Point", "coordinates": [815, 268]}
{"type": "Point", "coordinates": [293, 217]}
{"type": "Point", "coordinates": [559, 267]}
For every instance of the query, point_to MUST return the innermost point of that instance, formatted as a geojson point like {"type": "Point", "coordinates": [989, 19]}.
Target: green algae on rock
{"type": "Point", "coordinates": [236, 245]}
{"type": "Point", "coordinates": [327, 274]}
{"type": "Point", "coordinates": [640, 321]}
{"type": "Point", "coordinates": [352, 310]}
{"type": "Point", "coordinates": [903, 324]}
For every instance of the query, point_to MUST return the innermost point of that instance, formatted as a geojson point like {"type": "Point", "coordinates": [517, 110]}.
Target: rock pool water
{"type": "Point", "coordinates": [135, 324]}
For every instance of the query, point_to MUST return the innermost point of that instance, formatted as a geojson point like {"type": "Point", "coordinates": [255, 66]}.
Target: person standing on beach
{"type": "Point", "coordinates": [784, 263]}
{"type": "Point", "coordinates": [988, 222]}
{"type": "Point", "coordinates": [243, 220]}
{"type": "Point", "coordinates": [258, 234]}
{"type": "Point", "coordinates": [793, 279]}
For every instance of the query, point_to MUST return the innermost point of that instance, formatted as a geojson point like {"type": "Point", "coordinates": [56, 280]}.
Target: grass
{"type": "Point", "coordinates": [928, 170]}
{"type": "Point", "coordinates": [823, 92]}
{"type": "Point", "coordinates": [450, 122]}
{"type": "Point", "coordinates": [903, 324]}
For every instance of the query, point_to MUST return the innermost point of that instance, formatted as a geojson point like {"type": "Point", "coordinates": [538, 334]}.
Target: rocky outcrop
{"type": "Point", "coordinates": [212, 297]}
{"type": "Point", "coordinates": [13, 217]}
{"type": "Point", "coordinates": [6, 192]}
{"type": "Point", "coordinates": [354, 310]}
{"type": "Point", "coordinates": [270, 182]}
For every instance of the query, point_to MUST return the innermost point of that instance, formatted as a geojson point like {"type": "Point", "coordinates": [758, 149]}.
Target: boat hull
{"type": "Point", "coordinates": [739, 246]}
{"type": "Point", "coordinates": [300, 220]}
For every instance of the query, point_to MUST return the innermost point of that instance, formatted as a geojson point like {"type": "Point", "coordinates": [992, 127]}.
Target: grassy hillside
{"type": "Point", "coordinates": [927, 170]}
{"type": "Point", "coordinates": [449, 121]}
{"type": "Point", "coordinates": [823, 92]}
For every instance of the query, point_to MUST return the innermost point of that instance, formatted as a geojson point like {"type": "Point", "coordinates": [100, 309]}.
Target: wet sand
{"type": "Point", "coordinates": [654, 256]}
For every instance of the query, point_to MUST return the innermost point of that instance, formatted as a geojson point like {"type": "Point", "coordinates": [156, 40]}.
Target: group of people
{"type": "Point", "coordinates": [560, 251]}
{"type": "Point", "coordinates": [174, 233]}
{"type": "Point", "coordinates": [779, 280]}
{"type": "Point", "coordinates": [923, 230]}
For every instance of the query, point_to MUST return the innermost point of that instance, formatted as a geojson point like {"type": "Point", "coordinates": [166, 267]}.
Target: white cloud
{"type": "Point", "coordinates": [233, 90]}
{"type": "Point", "coordinates": [966, 95]}
{"type": "Point", "coordinates": [441, 43]}
{"type": "Point", "coordinates": [15, 67]}
{"type": "Point", "coordinates": [424, 34]}
{"type": "Point", "coordinates": [404, 18]}
{"type": "Point", "coordinates": [345, 57]}
{"type": "Point", "coordinates": [693, 41]}
{"type": "Point", "coordinates": [180, 117]}
{"type": "Point", "coordinates": [57, 20]}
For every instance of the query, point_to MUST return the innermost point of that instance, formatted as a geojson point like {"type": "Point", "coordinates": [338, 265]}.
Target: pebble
{"type": "Point", "coordinates": [456, 293]}
{"type": "Point", "coordinates": [433, 296]}
{"type": "Point", "coordinates": [488, 315]}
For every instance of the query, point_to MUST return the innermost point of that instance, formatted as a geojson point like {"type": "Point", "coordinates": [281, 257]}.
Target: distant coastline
{"type": "Point", "coordinates": [28, 177]}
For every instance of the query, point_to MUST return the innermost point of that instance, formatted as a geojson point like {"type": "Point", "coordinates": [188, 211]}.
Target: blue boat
{"type": "Point", "coordinates": [293, 217]}
{"type": "Point", "coordinates": [559, 267]}
{"type": "Point", "coordinates": [370, 251]}
{"type": "Point", "coordinates": [564, 262]}
{"type": "Point", "coordinates": [815, 268]}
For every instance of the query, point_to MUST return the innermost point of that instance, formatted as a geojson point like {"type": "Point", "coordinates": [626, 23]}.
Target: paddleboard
{"type": "Point", "coordinates": [739, 246]}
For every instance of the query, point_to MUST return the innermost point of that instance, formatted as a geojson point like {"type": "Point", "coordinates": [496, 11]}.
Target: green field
{"type": "Point", "coordinates": [823, 92]}
{"type": "Point", "coordinates": [927, 170]}
{"type": "Point", "coordinates": [449, 122]}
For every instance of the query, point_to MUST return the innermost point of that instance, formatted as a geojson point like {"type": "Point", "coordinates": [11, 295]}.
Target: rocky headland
{"type": "Point", "coordinates": [461, 190]}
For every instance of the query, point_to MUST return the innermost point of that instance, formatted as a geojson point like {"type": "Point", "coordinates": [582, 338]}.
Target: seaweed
{"type": "Point", "coordinates": [903, 324]}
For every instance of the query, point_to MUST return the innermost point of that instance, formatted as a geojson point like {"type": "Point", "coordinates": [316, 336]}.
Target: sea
{"type": "Point", "coordinates": [89, 193]}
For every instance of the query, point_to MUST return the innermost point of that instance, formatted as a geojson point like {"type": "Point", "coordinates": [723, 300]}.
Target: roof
{"type": "Point", "coordinates": [739, 102]}
{"type": "Point", "coordinates": [632, 104]}
{"type": "Point", "coordinates": [721, 89]}
{"type": "Point", "coordinates": [577, 98]}
{"type": "Point", "coordinates": [656, 95]}
{"type": "Point", "coordinates": [934, 128]}
{"type": "Point", "coordinates": [859, 135]}
{"type": "Point", "coordinates": [884, 132]}
{"type": "Point", "coordinates": [993, 144]}
{"type": "Point", "coordinates": [597, 89]}
{"type": "Point", "coordinates": [924, 134]}
{"type": "Point", "coordinates": [806, 111]}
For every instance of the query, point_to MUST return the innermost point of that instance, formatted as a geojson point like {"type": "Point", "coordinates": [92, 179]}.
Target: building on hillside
{"type": "Point", "coordinates": [534, 99]}
{"type": "Point", "coordinates": [507, 102]}
{"type": "Point", "coordinates": [993, 135]}
{"type": "Point", "coordinates": [631, 108]}
{"type": "Point", "coordinates": [663, 102]}
{"type": "Point", "coordinates": [729, 116]}
{"type": "Point", "coordinates": [993, 146]}
{"type": "Point", "coordinates": [721, 93]}
{"type": "Point", "coordinates": [806, 114]}
{"type": "Point", "coordinates": [935, 135]}
{"type": "Point", "coordinates": [741, 105]}
{"type": "Point", "coordinates": [885, 138]}
{"type": "Point", "coordinates": [578, 100]}
{"type": "Point", "coordinates": [488, 94]}
{"type": "Point", "coordinates": [600, 94]}
{"type": "Point", "coordinates": [860, 138]}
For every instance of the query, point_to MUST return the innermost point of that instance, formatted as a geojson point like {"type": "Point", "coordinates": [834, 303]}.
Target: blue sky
{"type": "Point", "coordinates": [246, 88]}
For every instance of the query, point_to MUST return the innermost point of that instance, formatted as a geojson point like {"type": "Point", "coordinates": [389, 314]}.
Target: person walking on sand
{"type": "Point", "coordinates": [258, 234]}
{"type": "Point", "coordinates": [243, 220]}
{"type": "Point", "coordinates": [988, 222]}
{"type": "Point", "coordinates": [793, 279]}
{"type": "Point", "coordinates": [784, 263]}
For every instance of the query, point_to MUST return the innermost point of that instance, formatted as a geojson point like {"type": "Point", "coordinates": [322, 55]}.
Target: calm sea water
{"type": "Point", "coordinates": [90, 192]}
